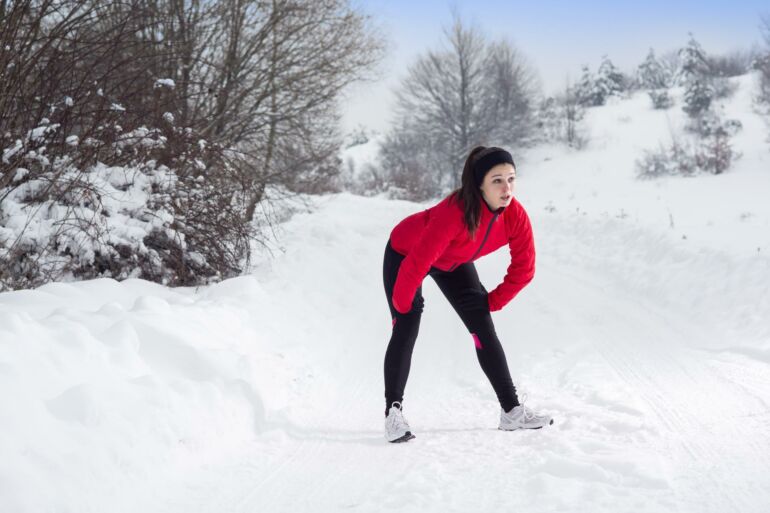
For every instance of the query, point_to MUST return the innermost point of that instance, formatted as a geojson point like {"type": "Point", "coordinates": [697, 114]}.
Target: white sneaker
{"type": "Point", "coordinates": [522, 417]}
{"type": "Point", "coordinates": [396, 426]}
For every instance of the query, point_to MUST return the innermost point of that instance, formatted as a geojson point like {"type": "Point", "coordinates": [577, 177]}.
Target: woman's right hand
{"type": "Point", "coordinates": [418, 302]}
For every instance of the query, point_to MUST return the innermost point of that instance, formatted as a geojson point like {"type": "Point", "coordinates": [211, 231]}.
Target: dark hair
{"type": "Point", "coordinates": [469, 193]}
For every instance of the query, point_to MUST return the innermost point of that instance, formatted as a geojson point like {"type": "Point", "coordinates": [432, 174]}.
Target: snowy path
{"type": "Point", "coordinates": [646, 420]}
{"type": "Point", "coordinates": [264, 393]}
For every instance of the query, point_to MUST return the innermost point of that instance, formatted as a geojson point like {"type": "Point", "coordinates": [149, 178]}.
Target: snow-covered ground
{"type": "Point", "coordinates": [645, 333]}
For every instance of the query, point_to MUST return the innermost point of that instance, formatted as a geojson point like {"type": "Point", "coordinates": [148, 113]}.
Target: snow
{"type": "Point", "coordinates": [165, 82]}
{"type": "Point", "coordinates": [20, 173]}
{"type": "Point", "coordinates": [727, 212]}
{"type": "Point", "coordinates": [363, 154]}
{"type": "Point", "coordinates": [117, 214]}
{"type": "Point", "coordinates": [644, 334]}
{"type": "Point", "coordinates": [11, 151]}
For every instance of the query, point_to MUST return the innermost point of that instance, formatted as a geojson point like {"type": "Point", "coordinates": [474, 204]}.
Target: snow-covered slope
{"type": "Point", "coordinates": [264, 392]}
{"type": "Point", "coordinates": [729, 212]}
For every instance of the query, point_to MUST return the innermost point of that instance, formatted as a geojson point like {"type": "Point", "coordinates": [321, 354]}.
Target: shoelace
{"type": "Point", "coordinates": [528, 413]}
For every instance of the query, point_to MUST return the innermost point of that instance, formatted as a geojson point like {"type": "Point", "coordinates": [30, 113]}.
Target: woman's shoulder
{"type": "Point", "coordinates": [447, 213]}
{"type": "Point", "coordinates": [450, 205]}
{"type": "Point", "coordinates": [515, 208]}
{"type": "Point", "coordinates": [515, 214]}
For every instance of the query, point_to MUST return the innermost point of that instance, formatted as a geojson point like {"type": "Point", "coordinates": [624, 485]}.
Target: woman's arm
{"type": "Point", "coordinates": [522, 267]}
{"type": "Point", "coordinates": [443, 226]}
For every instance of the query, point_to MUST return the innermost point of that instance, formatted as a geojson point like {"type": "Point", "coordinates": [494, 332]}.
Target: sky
{"type": "Point", "coordinates": [555, 36]}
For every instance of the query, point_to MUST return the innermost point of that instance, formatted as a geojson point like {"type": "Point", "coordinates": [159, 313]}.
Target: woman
{"type": "Point", "coordinates": [442, 242]}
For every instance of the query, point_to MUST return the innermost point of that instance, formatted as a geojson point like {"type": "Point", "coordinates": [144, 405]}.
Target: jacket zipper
{"type": "Point", "coordinates": [483, 241]}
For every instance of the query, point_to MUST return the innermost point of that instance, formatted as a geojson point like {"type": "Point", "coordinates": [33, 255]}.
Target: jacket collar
{"type": "Point", "coordinates": [486, 210]}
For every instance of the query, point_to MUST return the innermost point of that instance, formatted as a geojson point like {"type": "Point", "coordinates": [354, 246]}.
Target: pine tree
{"type": "Point", "coordinates": [692, 62]}
{"type": "Point", "coordinates": [586, 91]}
{"type": "Point", "coordinates": [693, 74]}
{"type": "Point", "coordinates": [609, 80]}
{"type": "Point", "coordinates": [697, 98]}
{"type": "Point", "coordinates": [650, 74]}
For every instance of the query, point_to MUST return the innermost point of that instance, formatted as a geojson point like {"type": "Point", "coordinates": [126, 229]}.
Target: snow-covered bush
{"type": "Point", "coordinates": [178, 226]}
{"type": "Point", "coordinates": [609, 81]}
{"type": "Point", "coordinates": [709, 123]}
{"type": "Point", "coordinates": [560, 119]}
{"type": "Point", "coordinates": [365, 180]}
{"type": "Point", "coordinates": [711, 155]}
{"type": "Point", "coordinates": [660, 98]}
{"type": "Point", "coordinates": [722, 87]}
{"type": "Point", "coordinates": [715, 154]}
{"type": "Point", "coordinates": [406, 160]}
{"type": "Point", "coordinates": [705, 146]}
{"type": "Point", "coordinates": [675, 159]}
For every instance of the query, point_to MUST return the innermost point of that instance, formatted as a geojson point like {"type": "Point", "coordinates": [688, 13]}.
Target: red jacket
{"type": "Point", "coordinates": [438, 237]}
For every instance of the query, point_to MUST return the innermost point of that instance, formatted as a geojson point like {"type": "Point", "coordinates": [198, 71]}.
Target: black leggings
{"type": "Point", "coordinates": [455, 285]}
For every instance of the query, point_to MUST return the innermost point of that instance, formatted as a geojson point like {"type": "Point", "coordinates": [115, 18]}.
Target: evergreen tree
{"type": "Point", "coordinates": [692, 62]}
{"type": "Point", "coordinates": [694, 76]}
{"type": "Point", "coordinates": [697, 98]}
{"type": "Point", "coordinates": [650, 74]}
{"type": "Point", "coordinates": [586, 91]}
{"type": "Point", "coordinates": [609, 80]}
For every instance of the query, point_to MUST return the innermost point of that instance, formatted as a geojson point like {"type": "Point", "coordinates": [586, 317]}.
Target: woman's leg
{"type": "Point", "coordinates": [467, 296]}
{"type": "Point", "coordinates": [398, 357]}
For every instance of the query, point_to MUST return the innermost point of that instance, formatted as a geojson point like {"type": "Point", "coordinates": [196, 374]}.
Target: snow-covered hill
{"type": "Point", "coordinates": [648, 340]}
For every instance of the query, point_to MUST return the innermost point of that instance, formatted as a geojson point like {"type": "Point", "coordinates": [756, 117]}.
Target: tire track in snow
{"type": "Point", "coordinates": [649, 351]}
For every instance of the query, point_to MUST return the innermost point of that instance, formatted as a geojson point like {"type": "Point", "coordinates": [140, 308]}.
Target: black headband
{"type": "Point", "coordinates": [482, 165]}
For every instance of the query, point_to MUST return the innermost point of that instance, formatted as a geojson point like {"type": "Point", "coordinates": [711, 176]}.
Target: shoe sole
{"type": "Point", "coordinates": [408, 436]}
{"type": "Point", "coordinates": [516, 429]}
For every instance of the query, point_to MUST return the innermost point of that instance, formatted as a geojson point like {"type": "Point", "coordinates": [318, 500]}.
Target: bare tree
{"type": "Point", "coordinates": [209, 101]}
{"type": "Point", "coordinates": [511, 83]}
{"type": "Point", "coordinates": [258, 74]}
{"type": "Point", "coordinates": [573, 114]}
{"type": "Point", "coordinates": [468, 93]}
{"type": "Point", "coordinates": [731, 64]}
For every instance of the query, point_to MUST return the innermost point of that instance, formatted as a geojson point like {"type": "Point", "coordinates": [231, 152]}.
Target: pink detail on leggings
{"type": "Point", "coordinates": [393, 323]}
{"type": "Point", "coordinates": [477, 341]}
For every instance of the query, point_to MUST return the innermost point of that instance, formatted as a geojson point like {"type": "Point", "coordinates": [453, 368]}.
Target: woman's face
{"type": "Point", "coordinates": [497, 187]}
